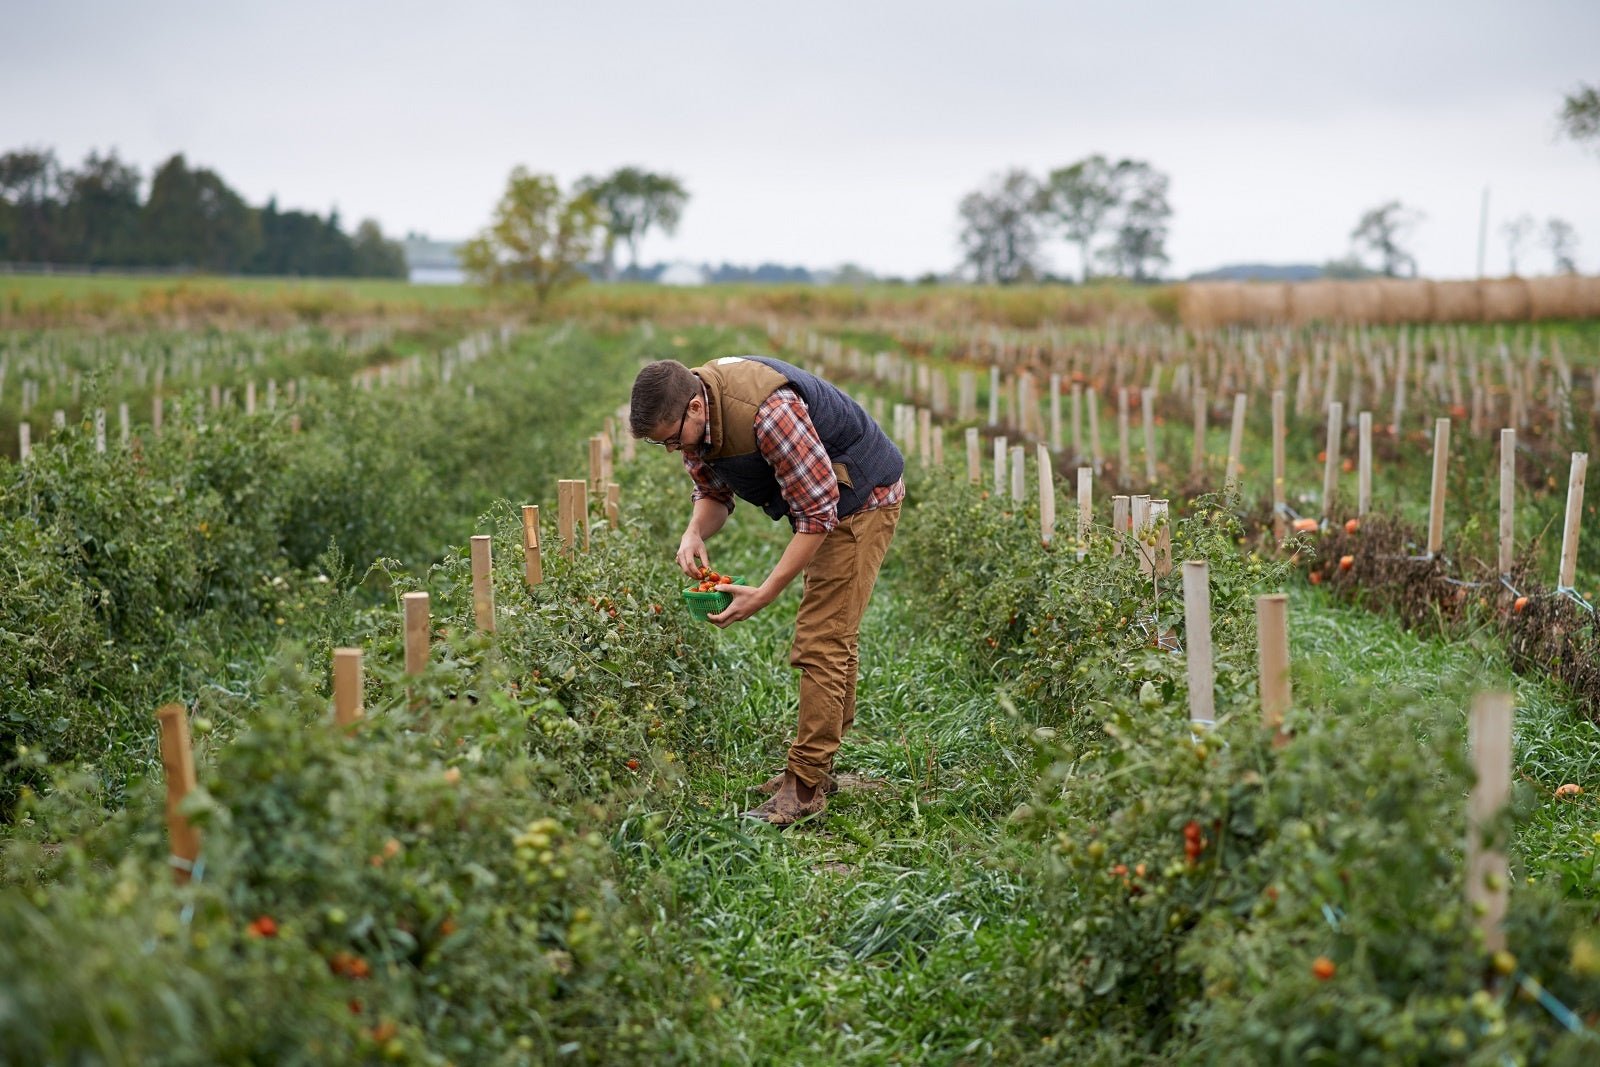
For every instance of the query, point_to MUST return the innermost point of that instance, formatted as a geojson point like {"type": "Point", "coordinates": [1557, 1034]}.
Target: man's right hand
{"type": "Point", "coordinates": [692, 554]}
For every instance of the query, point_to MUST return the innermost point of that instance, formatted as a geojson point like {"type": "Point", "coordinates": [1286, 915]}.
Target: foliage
{"type": "Point", "coordinates": [1139, 220]}
{"type": "Point", "coordinates": [1580, 114]}
{"type": "Point", "coordinates": [191, 220]}
{"type": "Point", "coordinates": [1191, 880]}
{"type": "Point", "coordinates": [1079, 199]}
{"type": "Point", "coordinates": [1560, 237]}
{"type": "Point", "coordinates": [427, 889]}
{"type": "Point", "coordinates": [633, 201]}
{"type": "Point", "coordinates": [538, 237]}
{"type": "Point", "coordinates": [1383, 231]}
{"type": "Point", "coordinates": [1000, 233]}
{"type": "Point", "coordinates": [143, 572]}
{"type": "Point", "coordinates": [531, 852]}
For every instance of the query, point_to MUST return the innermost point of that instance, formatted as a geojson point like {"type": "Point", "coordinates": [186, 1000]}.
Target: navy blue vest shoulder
{"type": "Point", "coordinates": [863, 455]}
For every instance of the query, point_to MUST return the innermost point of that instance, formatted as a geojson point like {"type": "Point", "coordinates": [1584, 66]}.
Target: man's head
{"type": "Point", "coordinates": [667, 406]}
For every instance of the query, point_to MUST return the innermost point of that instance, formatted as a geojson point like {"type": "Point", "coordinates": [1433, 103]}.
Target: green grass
{"type": "Point", "coordinates": [26, 290]}
{"type": "Point", "coordinates": [871, 937]}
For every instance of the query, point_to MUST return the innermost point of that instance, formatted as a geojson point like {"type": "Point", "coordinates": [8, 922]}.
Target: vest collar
{"type": "Point", "coordinates": [711, 439]}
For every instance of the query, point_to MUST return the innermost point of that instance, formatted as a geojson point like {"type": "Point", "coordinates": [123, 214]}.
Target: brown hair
{"type": "Point", "coordinates": [660, 393]}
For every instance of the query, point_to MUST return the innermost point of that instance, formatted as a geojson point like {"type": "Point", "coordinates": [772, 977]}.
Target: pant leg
{"type": "Point", "coordinates": [838, 584]}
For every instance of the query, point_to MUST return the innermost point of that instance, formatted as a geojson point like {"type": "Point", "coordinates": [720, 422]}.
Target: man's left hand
{"type": "Point", "coordinates": [747, 600]}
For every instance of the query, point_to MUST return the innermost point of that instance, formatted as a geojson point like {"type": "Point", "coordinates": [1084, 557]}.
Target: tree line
{"type": "Point", "coordinates": [99, 215]}
{"type": "Point", "coordinates": [1114, 213]}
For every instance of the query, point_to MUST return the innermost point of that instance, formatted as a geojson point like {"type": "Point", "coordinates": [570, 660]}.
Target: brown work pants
{"type": "Point", "coordinates": [838, 584]}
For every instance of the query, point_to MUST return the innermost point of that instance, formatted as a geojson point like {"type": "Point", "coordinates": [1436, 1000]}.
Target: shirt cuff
{"type": "Point", "coordinates": [816, 524]}
{"type": "Point", "coordinates": [723, 497]}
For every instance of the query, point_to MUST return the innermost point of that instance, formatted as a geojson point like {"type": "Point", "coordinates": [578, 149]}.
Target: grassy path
{"type": "Point", "coordinates": [878, 936]}
{"type": "Point", "coordinates": [870, 937]}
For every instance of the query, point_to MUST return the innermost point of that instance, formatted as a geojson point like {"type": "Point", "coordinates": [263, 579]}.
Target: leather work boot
{"type": "Point", "coordinates": [793, 802]}
{"type": "Point", "coordinates": [830, 784]}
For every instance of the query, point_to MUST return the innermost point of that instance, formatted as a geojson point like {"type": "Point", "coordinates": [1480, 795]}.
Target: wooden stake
{"type": "Point", "coordinates": [177, 760]}
{"type": "Point", "coordinates": [1085, 505]}
{"type": "Point", "coordinates": [1508, 498]}
{"type": "Point", "coordinates": [1400, 389]}
{"type": "Point", "coordinates": [1147, 408]}
{"type": "Point", "coordinates": [580, 493]}
{"type": "Point", "coordinates": [974, 459]}
{"type": "Point", "coordinates": [1569, 532]}
{"type": "Point", "coordinates": [1272, 642]}
{"type": "Point", "coordinates": [1119, 524]}
{"type": "Point", "coordinates": [532, 564]}
{"type": "Point", "coordinates": [1197, 638]}
{"type": "Point", "coordinates": [1488, 874]}
{"type": "Point", "coordinates": [1280, 518]}
{"type": "Point", "coordinates": [614, 505]}
{"type": "Point", "coordinates": [568, 515]}
{"type": "Point", "coordinates": [24, 441]}
{"type": "Point", "coordinates": [1124, 449]}
{"type": "Point", "coordinates": [482, 583]}
{"type": "Point", "coordinates": [1019, 487]}
{"type": "Point", "coordinates": [1330, 466]}
{"type": "Point", "coordinates": [1441, 460]}
{"type": "Point", "coordinates": [1055, 412]}
{"type": "Point", "coordinates": [1077, 422]}
{"type": "Point", "coordinates": [1235, 444]}
{"type": "Point", "coordinates": [1094, 430]}
{"type": "Point", "coordinates": [347, 686]}
{"type": "Point", "coordinates": [597, 463]}
{"type": "Point", "coordinates": [1047, 497]}
{"type": "Point", "coordinates": [924, 436]}
{"type": "Point", "coordinates": [999, 467]}
{"type": "Point", "coordinates": [417, 622]}
{"type": "Point", "coordinates": [1139, 524]}
{"type": "Point", "coordinates": [1364, 463]}
{"type": "Point", "coordinates": [1160, 520]}
{"type": "Point", "coordinates": [1197, 463]}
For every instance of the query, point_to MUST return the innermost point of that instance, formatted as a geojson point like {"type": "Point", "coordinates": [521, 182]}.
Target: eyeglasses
{"type": "Point", "coordinates": [676, 440]}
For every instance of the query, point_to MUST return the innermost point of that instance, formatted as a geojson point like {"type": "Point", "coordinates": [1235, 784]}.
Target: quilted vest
{"type": "Point", "coordinates": [736, 387]}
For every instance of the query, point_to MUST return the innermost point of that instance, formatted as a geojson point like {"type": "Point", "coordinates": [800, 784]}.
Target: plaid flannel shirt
{"type": "Point", "coordinates": [791, 446]}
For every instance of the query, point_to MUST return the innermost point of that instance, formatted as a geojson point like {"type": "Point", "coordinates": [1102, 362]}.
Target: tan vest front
{"type": "Point", "coordinates": [735, 390]}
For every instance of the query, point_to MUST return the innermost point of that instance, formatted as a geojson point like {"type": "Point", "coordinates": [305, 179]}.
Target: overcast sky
{"type": "Point", "coordinates": [825, 132]}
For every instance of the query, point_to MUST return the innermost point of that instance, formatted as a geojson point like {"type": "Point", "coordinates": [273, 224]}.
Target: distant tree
{"type": "Point", "coordinates": [1349, 268]}
{"type": "Point", "coordinates": [335, 253]}
{"type": "Point", "coordinates": [1516, 233]}
{"type": "Point", "coordinates": [375, 255]}
{"type": "Point", "coordinates": [1580, 115]}
{"type": "Point", "coordinates": [633, 201]}
{"type": "Point", "coordinates": [193, 219]}
{"type": "Point", "coordinates": [537, 237]}
{"type": "Point", "coordinates": [291, 243]}
{"type": "Point", "coordinates": [100, 216]}
{"type": "Point", "coordinates": [1139, 221]}
{"type": "Point", "coordinates": [853, 274]}
{"type": "Point", "coordinates": [1000, 230]}
{"type": "Point", "coordinates": [1078, 200]}
{"type": "Point", "coordinates": [1381, 231]}
{"type": "Point", "coordinates": [1562, 240]}
{"type": "Point", "coordinates": [30, 206]}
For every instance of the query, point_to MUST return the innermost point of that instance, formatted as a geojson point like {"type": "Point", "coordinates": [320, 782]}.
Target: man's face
{"type": "Point", "coordinates": [685, 434]}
